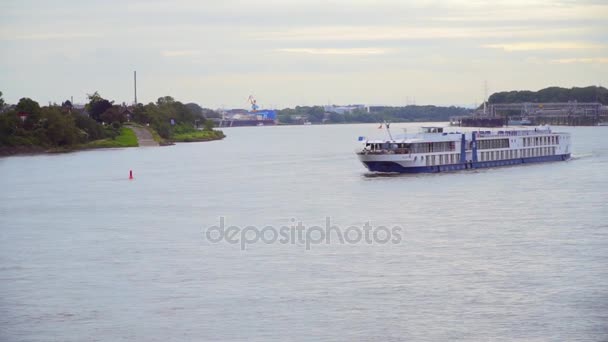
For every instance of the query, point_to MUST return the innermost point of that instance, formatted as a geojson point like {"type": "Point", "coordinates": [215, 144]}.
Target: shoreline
{"type": "Point", "coordinates": [10, 151]}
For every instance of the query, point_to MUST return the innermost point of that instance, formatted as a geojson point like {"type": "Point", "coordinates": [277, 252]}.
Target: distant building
{"type": "Point", "coordinates": [243, 114]}
{"type": "Point", "coordinates": [344, 109]}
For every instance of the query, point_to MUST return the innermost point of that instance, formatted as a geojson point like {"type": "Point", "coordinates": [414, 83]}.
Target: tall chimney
{"type": "Point", "coordinates": [135, 85]}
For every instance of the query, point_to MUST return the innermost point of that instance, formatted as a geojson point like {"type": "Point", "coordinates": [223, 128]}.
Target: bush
{"type": "Point", "coordinates": [93, 130]}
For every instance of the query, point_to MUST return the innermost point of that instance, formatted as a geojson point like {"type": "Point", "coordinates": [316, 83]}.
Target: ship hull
{"type": "Point", "coordinates": [394, 167]}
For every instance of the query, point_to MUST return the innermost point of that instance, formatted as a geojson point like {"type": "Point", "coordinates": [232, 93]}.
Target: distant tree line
{"type": "Point", "coordinates": [317, 114]}
{"type": "Point", "coordinates": [553, 94]}
{"type": "Point", "coordinates": [301, 113]}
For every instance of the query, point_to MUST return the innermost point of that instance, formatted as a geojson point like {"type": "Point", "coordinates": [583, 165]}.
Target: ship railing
{"type": "Point", "coordinates": [386, 151]}
{"type": "Point", "coordinates": [482, 134]}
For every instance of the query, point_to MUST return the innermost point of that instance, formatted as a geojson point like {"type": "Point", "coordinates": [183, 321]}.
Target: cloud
{"type": "Point", "coordinates": [48, 36]}
{"type": "Point", "coordinates": [526, 11]}
{"type": "Point", "coordinates": [532, 46]}
{"type": "Point", "coordinates": [384, 33]}
{"type": "Point", "coordinates": [180, 53]}
{"type": "Point", "coordinates": [588, 60]}
{"type": "Point", "coordinates": [355, 51]}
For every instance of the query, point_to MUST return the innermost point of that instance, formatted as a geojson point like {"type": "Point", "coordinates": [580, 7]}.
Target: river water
{"type": "Point", "coordinates": [515, 253]}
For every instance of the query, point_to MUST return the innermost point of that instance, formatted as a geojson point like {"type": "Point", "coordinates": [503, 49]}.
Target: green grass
{"type": "Point", "coordinates": [198, 136]}
{"type": "Point", "coordinates": [127, 138]}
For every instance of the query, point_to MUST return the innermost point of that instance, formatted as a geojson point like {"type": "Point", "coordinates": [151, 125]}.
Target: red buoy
{"type": "Point", "coordinates": [130, 174]}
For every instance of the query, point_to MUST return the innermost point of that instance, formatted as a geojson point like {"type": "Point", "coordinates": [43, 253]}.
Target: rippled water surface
{"type": "Point", "coordinates": [515, 253]}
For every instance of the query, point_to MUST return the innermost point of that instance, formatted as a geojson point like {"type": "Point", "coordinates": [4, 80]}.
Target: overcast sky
{"type": "Point", "coordinates": [290, 52]}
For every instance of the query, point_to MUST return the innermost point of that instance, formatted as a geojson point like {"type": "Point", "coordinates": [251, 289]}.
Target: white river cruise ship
{"type": "Point", "coordinates": [434, 150]}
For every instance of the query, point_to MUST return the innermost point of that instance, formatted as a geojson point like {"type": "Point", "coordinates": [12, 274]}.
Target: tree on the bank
{"type": "Point", "coordinates": [1, 102]}
{"type": "Point", "coordinates": [114, 114]}
{"type": "Point", "coordinates": [97, 105]}
{"type": "Point", "coordinates": [31, 109]}
{"type": "Point", "coordinates": [60, 129]}
{"type": "Point", "coordinates": [67, 105]}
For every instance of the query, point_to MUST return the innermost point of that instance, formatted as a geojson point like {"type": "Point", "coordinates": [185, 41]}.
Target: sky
{"type": "Point", "coordinates": [291, 52]}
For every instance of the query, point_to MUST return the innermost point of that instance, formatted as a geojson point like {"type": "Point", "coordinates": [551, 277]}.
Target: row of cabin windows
{"type": "Point", "coordinates": [513, 154]}
{"type": "Point", "coordinates": [454, 158]}
{"type": "Point", "coordinates": [444, 146]}
{"type": "Point", "coordinates": [492, 143]}
{"type": "Point", "coordinates": [440, 159]}
{"type": "Point", "coordinates": [414, 148]}
{"type": "Point", "coordinates": [540, 141]}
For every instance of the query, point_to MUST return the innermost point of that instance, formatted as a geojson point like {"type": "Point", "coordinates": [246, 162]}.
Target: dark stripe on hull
{"type": "Point", "coordinates": [394, 167]}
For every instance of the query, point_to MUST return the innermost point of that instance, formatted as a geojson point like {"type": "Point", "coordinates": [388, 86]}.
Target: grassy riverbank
{"type": "Point", "coordinates": [194, 136]}
{"type": "Point", "coordinates": [126, 138]}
